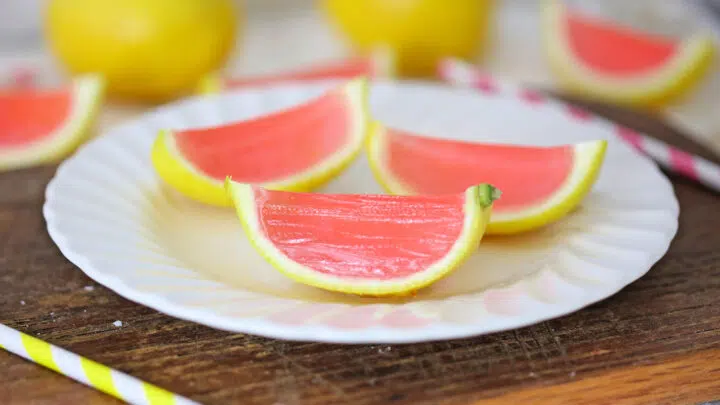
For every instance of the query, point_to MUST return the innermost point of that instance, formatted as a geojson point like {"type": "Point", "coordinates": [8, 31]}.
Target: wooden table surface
{"type": "Point", "coordinates": [655, 342]}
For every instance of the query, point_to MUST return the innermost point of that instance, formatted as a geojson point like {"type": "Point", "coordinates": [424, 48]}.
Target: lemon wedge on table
{"type": "Point", "coordinates": [614, 63]}
{"type": "Point", "coordinates": [39, 126]}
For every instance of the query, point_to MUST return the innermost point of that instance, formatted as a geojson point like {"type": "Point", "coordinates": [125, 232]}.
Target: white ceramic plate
{"type": "Point", "coordinates": [111, 216]}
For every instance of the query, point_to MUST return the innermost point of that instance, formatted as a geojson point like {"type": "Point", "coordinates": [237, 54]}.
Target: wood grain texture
{"type": "Point", "coordinates": [686, 380]}
{"type": "Point", "coordinates": [670, 319]}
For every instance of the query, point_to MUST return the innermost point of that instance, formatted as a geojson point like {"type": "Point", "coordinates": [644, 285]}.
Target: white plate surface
{"type": "Point", "coordinates": [111, 216]}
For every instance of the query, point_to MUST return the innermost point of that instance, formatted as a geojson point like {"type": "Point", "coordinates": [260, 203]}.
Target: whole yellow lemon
{"type": "Point", "coordinates": [419, 32]}
{"type": "Point", "coordinates": [147, 49]}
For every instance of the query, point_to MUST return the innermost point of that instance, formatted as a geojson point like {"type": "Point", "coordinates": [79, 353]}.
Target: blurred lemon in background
{"type": "Point", "coordinates": [151, 50]}
{"type": "Point", "coordinates": [420, 32]}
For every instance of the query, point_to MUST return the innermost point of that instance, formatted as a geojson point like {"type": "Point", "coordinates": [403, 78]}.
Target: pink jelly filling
{"type": "Point", "coordinates": [370, 237]}
{"type": "Point", "coordinates": [337, 70]}
{"type": "Point", "coordinates": [271, 147]}
{"type": "Point", "coordinates": [525, 175]}
{"type": "Point", "coordinates": [616, 50]}
{"type": "Point", "coordinates": [27, 116]}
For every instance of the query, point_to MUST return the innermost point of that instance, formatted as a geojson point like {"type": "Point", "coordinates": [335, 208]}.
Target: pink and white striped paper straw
{"type": "Point", "coordinates": [675, 160]}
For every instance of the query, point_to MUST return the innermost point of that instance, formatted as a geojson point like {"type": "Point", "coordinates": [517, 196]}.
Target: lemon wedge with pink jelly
{"type": "Point", "coordinates": [299, 148]}
{"type": "Point", "coordinates": [540, 185]}
{"type": "Point", "coordinates": [363, 244]}
{"type": "Point", "coordinates": [40, 126]}
{"type": "Point", "coordinates": [615, 63]}
{"type": "Point", "coordinates": [379, 64]}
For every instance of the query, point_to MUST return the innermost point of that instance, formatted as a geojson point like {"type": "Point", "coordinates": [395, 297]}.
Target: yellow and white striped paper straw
{"type": "Point", "coordinates": [86, 371]}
